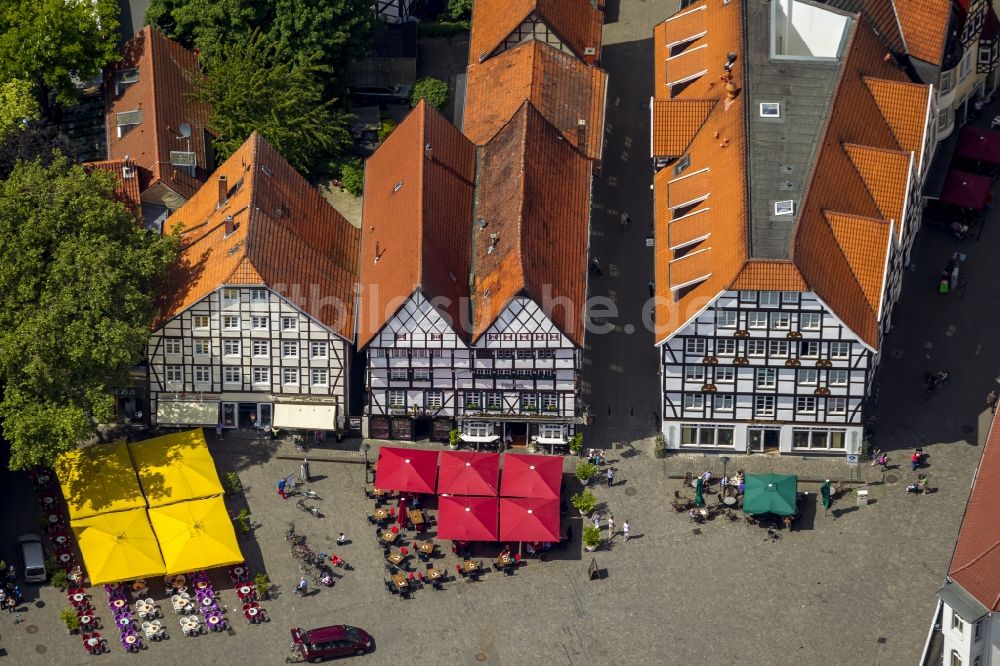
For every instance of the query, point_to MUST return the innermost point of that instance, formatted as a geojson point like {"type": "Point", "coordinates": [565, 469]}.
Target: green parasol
{"type": "Point", "coordinates": [699, 501]}
{"type": "Point", "coordinates": [770, 493]}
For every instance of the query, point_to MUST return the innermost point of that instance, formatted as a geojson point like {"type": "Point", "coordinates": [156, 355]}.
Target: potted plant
{"type": "Point", "coordinates": [241, 520]}
{"type": "Point", "coordinates": [660, 446]}
{"type": "Point", "coordinates": [591, 538]}
{"type": "Point", "coordinates": [585, 471]}
{"type": "Point", "coordinates": [454, 437]}
{"type": "Point", "coordinates": [576, 443]}
{"type": "Point", "coordinates": [60, 580]}
{"type": "Point", "coordinates": [69, 618]}
{"type": "Point", "coordinates": [263, 585]}
{"type": "Point", "coordinates": [584, 502]}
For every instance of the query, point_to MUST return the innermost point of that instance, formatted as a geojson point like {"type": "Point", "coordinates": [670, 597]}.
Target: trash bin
{"type": "Point", "coordinates": [862, 498]}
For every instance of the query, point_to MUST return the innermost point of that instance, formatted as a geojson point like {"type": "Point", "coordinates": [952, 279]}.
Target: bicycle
{"type": "Point", "coordinates": [301, 504]}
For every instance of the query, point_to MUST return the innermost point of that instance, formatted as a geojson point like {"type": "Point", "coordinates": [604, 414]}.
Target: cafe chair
{"type": "Point", "coordinates": [371, 519]}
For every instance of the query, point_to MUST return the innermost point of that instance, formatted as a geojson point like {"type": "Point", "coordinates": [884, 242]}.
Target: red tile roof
{"type": "Point", "coordinates": [925, 27]}
{"type": "Point", "coordinates": [975, 564]}
{"type": "Point", "coordinates": [533, 191]}
{"type": "Point", "coordinates": [126, 187]}
{"type": "Point", "coordinates": [417, 235]}
{"type": "Point", "coordinates": [858, 179]}
{"type": "Point", "coordinates": [576, 23]}
{"type": "Point", "coordinates": [564, 89]}
{"type": "Point", "coordinates": [165, 74]}
{"type": "Point", "coordinates": [284, 235]}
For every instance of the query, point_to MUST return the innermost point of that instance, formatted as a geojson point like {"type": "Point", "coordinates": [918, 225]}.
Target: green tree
{"type": "Point", "coordinates": [50, 42]}
{"type": "Point", "coordinates": [77, 277]}
{"type": "Point", "coordinates": [253, 86]}
{"type": "Point", "coordinates": [386, 128]}
{"type": "Point", "coordinates": [17, 105]}
{"type": "Point", "coordinates": [352, 176]}
{"type": "Point", "coordinates": [431, 89]}
{"type": "Point", "coordinates": [459, 9]}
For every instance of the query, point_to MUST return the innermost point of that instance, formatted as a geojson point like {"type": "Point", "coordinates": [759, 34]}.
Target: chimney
{"type": "Point", "coordinates": [223, 190]}
{"type": "Point", "coordinates": [230, 223]}
{"type": "Point", "coordinates": [581, 134]}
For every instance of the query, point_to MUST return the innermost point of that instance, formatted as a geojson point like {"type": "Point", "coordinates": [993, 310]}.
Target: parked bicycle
{"type": "Point", "coordinates": [301, 504]}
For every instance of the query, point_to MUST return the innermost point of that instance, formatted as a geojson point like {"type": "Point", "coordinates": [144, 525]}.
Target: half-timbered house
{"type": "Point", "coordinates": [256, 323]}
{"type": "Point", "coordinates": [787, 198]}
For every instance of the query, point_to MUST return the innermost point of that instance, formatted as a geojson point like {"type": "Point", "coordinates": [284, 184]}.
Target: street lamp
{"type": "Point", "coordinates": [725, 462]}
{"type": "Point", "coordinates": [366, 447]}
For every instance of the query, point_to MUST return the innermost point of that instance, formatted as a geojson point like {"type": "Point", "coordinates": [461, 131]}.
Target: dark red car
{"type": "Point", "coordinates": [339, 640]}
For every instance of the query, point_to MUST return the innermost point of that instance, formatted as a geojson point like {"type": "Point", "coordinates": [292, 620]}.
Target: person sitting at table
{"type": "Point", "coordinates": [414, 501]}
{"type": "Point", "coordinates": [504, 554]}
{"type": "Point", "coordinates": [75, 575]}
{"type": "Point", "coordinates": [341, 539]}
{"type": "Point", "coordinates": [529, 548]}
{"type": "Point", "coordinates": [695, 515]}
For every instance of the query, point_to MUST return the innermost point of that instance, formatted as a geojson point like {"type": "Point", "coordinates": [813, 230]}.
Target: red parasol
{"type": "Point", "coordinates": [968, 190]}
{"type": "Point", "coordinates": [531, 476]}
{"type": "Point", "coordinates": [464, 518]}
{"type": "Point", "coordinates": [977, 143]}
{"type": "Point", "coordinates": [527, 519]}
{"type": "Point", "coordinates": [469, 473]}
{"type": "Point", "coordinates": [406, 470]}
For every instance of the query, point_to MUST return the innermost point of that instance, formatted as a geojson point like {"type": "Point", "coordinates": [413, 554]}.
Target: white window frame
{"type": "Point", "coordinates": [748, 297]}
{"type": "Point", "coordinates": [694, 373]}
{"type": "Point", "coordinates": [695, 346]}
{"type": "Point", "coordinates": [258, 296]}
{"type": "Point", "coordinates": [756, 347]}
{"type": "Point", "coordinates": [777, 348]}
{"type": "Point", "coordinates": [319, 377]}
{"type": "Point", "coordinates": [550, 402]}
{"type": "Point", "coordinates": [756, 319]}
{"type": "Point", "coordinates": [258, 322]}
{"type": "Point", "coordinates": [289, 324]}
{"type": "Point", "coordinates": [473, 400]}
{"type": "Point", "coordinates": [781, 321]}
{"type": "Point", "coordinates": [696, 432]}
{"type": "Point", "coordinates": [172, 347]}
{"type": "Point", "coordinates": [529, 402]}
{"type": "Point", "coordinates": [494, 400]}
{"type": "Point", "coordinates": [260, 348]}
{"type": "Point", "coordinates": [398, 374]}
{"type": "Point", "coordinates": [836, 406]}
{"type": "Point", "coordinates": [810, 321]}
{"type": "Point", "coordinates": [396, 398]}
{"type": "Point", "coordinates": [770, 109]}
{"type": "Point", "coordinates": [805, 404]}
{"type": "Point", "coordinates": [723, 402]}
{"type": "Point", "coordinates": [173, 374]}
{"type": "Point", "coordinates": [201, 322]}
{"type": "Point", "coordinates": [807, 376]}
{"type": "Point", "coordinates": [765, 378]}
{"type": "Point", "coordinates": [434, 399]}
{"type": "Point", "coordinates": [763, 405]}
{"type": "Point", "coordinates": [202, 374]}
{"type": "Point", "coordinates": [770, 299]}
{"type": "Point", "coordinates": [694, 401]}
{"type": "Point", "coordinates": [478, 429]}
{"type": "Point", "coordinates": [201, 347]}
{"type": "Point", "coordinates": [836, 347]}
{"type": "Point", "coordinates": [828, 437]}
{"type": "Point", "coordinates": [809, 344]}
{"type": "Point", "coordinates": [290, 349]}
{"type": "Point", "coordinates": [230, 322]}
{"type": "Point", "coordinates": [838, 377]}
{"type": "Point", "coordinates": [319, 349]}
{"type": "Point", "coordinates": [725, 374]}
{"type": "Point", "coordinates": [230, 295]}
{"type": "Point", "coordinates": [228, 371]}
{"type": "Point", "coordinates": [261, 375]}
{"type": "Point", "coordinates": [230, 347]}
{"type": "Point", "coordinates": [726, 318]}
{"type": "Point", "coordinates": [290, 376]}
{"type": "Point", "coordinates": [725, 347]}
{"type": "Point", "coordinates": [957, 622]}
{"type": "Point", "coordinates": [421, 374]}
{"type": "Point", "coordinates": [552, 430]}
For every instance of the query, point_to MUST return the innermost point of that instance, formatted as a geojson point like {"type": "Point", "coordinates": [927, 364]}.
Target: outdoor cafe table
{"type": "Point", "coordinates": [470, 566]}
{"type": "Point", "coordinates": [505, 560]}
{"type": "Point", "coordinates": [252, 611]}
{"type": "Point", "coordinates": [130, 638]}
{"type": "Point", "coordinates": [395, 558]}
{"type": "Point", "coordinates": [729, 501]}
{"type": "Point", "coordinates": [399, 580]}
{"type": "Point", "coordinates": [118, 603]}
{"type": "Point", "coordinates": [381, 514]}
{"type": "Point", "coordinates": [434, 574]}
{"type": "Point", "coordinates": [244, 590]}
{"type": "Point", "coordinates": [86, 618]}
{"type": "Point", "coordinates": [60, 540]}
{"type": "Point", "coordinates": [427, 547]}
{"type": "Point", "coordinates": [213, 619]}
{"type": "Point", "coordinates": [389, 536]}
{"type": "Point", "coordinates": [416, 517]}
{"type": "Point", "coordinates": [77, 597]}
{"type": "Point", "coordinates": [201, 584]}
{"type": "Point", "coordinates": [92, 642]}
{"type": "Point", "coordinates": [378, 492]}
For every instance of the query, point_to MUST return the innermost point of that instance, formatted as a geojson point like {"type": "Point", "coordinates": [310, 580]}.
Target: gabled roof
{"type": "Point", "coordinates": [675, 122]}
{"type": "Point", "coordinates": [564, 89]}
{"type": "Point", "coordinates": [126, 181]}
{"type": "Point", "coordinates": [281, 233]}
{"type": "Point", "coordinates": [577, 24]}
{"type": "Point", "coordinates": [847, 180]}
{"type": "Point", "coordinates": [533, 193]}
{"type": "Point", "coordinates": [975, 564]}
{"type": "Point", "coordinates": [925, 27]}
{"type": "Point", "coordinates": [165, 72]}
{"type": "Point", "coordinates": [417, 227]}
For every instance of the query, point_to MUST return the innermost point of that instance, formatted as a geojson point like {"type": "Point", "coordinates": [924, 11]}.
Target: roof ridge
{"type": "Point", "coordinates": [976, 559]}
{"type": "Point", "coordinates": [422, 109]}
{"type": "Point", "coordinates": [148, 37]}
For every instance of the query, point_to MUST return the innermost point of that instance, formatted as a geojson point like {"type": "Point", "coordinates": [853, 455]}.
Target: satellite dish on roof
{"type": "Point", "coordinates": [185, 130]}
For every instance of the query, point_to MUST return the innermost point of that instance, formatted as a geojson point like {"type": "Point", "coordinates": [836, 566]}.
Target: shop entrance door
{"type": "Point", "coordinates": [763, 440]}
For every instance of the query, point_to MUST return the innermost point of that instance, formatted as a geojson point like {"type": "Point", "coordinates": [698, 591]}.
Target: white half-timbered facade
{"type": "Point", "coordinates": [516, 384]}
{"type": "Point", "coordinates": [573, 28]}
{"type": "Point", "coordinates": [765, 371]}
{"type": "Point", "coordinates": [239, 355]}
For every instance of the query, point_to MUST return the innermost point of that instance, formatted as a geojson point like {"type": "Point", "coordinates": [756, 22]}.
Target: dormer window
{"type": "Point", "coordinates": [682, 163]}
{"type": "Point", "coordinates": [786, 207]}
{"type": "Point", "coordinates": [124, 78]}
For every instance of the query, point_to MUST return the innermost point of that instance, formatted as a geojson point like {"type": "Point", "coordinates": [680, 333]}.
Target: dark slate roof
{"type": "Point", "coordinates": [781, 150]}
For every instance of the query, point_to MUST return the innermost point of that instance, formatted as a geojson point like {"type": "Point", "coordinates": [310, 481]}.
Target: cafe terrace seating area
{"type": "Point", "coordinates": [462, 497]}
{"type": "Point", "coordinates": [141, 514]}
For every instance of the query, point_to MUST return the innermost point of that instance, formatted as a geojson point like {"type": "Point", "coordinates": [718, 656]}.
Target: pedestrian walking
{"type": "Point", "coordinates": [915, 459]}
{"type": "Point", "coordinates": [626, 529]}
{"type": "Point", "coordinates": [304, 471]}
{"type": "Point", "coordinates": [991, 401]}
{"type": "Point", "coordinates": [883, 462]}
{"type": "Point", "coordinates": [922, 483]}
{"type": "Point", "coordinates": [11, 603]}
{"type": "Point", "coordinates": [302, 587]}
{"type": "Point", "coordinates": [611, 527]}
{"type": "Point", "coordinates": [595, 266]}
{"type": "Point", "coordinates": [611, 476]}
{"type": "Point", "coordinates": [625, 221]}
{"type": "Point", "coordinates": [652, 289]}
{"type": "Point", "coordinates": [281, 488]}
{"type": "Point", "coordinates": [218, 431]}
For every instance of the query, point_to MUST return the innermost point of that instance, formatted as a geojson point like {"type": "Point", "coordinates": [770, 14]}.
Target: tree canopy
{"type": "Point", "coordinates": [433, 90]}
{"type": "Point", "coordinates": [36, 140]}
{"type": "Point", "coordinates": [77, 277]}
{"type": "Point", "coordinates": [254, 86]}
{"type": "Point", "coordinates": [50, 42]}
{"type": "Point", "coordinates": [17, 105]}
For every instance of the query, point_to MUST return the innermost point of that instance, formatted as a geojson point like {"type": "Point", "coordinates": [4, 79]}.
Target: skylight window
{"type": "Point", "coordinates": [770, 110]}
{"type": "Point", "coordinates": [786, 207]}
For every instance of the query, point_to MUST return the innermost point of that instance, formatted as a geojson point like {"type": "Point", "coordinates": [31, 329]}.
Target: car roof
{"type": "Point", "coordinates": [27, 538]}
{"type": "Point", "coordinates": [323, 634]}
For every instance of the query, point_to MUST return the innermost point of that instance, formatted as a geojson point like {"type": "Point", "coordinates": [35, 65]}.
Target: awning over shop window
{"type": "Point", "coordinates": [194, 412]}
{"type": "Point", "coordinates": [549, 440]}
{"type": "Point", "coordinates": [477, 438]}
{"type": "Point", "coordinates": [305, 417]}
